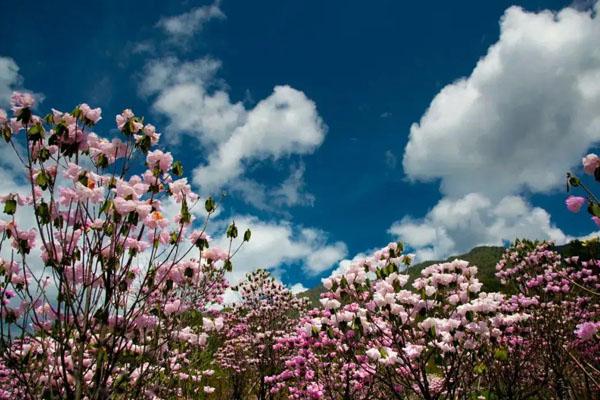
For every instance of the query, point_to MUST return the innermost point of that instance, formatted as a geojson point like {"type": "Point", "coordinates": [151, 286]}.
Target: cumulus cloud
{"type": "Point", "coordinates": [525, 114]}
{"type": "Point", "coordinates": [182, 94]}
{"type": "Point", "coordinates": [515, 125]}
{"type": "Point", "coordinates": [297, 288]}
{"type": "Point", "coordinates": [454, 226]}
{"type": "Point", "coordinates": [184, 26]}
{"type": "Point", "coordinates": [9, 79]}
{"type": "Point", "coordinates": [292, 191]}
{"type": "Point", "coordinates": [198, 105]}
{"type": "Point", "coordinates": [284, 123]}
{"type": "Point", "coordinates": [277, 244]}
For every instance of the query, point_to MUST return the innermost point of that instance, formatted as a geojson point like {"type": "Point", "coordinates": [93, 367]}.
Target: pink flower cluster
{"type": "Point", "coordinates": [109, 289]}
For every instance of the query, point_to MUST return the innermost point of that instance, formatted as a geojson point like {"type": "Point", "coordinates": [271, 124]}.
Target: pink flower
{"type": "Point", "coordinates": [3, 116]}
{"type": "Point", "coordinates": [72, 171]}
{"type": "Point", "coordinates": [20, 100]}
{"type": "Point", "coordinates": [156, 220]}
{"type": "Point", "coordinates": [180, 190]}
{"type": "Point", "coordinates": [587, 330]}
{"type": "Point", "coordinates": [173, 307]}
{"type": "Point", "coordinates": [373, 354]}
{"type": "Point", "coordinates": [123, 118]}
{"type": "Point", "coordinates": [150, 131]}
{"type": "Point", "coordinates": [91, 114]}
{"type": "Point", "coordinates": [215, 254]}
{"type": "Point", "coordinates": [590, 163]}
{"type": "Point", "coordinates": [160, 159]}
{"type": "Point", "coordinates": [123, 206]}
{"type": "Point", "coordinates": [137, 245]}
{"type": "Point", "coordinates": [198, 235]}
{"type": "Point", "coordinates": [596, 220]}
{"type": "Point", "coordinates": [574, 203]}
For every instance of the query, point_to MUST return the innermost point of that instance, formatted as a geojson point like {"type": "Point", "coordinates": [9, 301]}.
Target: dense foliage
{"type": "Point", "coordinates": [110, 288]}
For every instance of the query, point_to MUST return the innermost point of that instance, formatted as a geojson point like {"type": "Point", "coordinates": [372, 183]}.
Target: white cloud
{"type": "Point", "coordinates": [276, 244]}
{"type": "Point", "coordinates": [343, 265]}
{"type": "Point", "coordinates": [284, 123]}
{"type": "Point", "coordinates": [525, 114]}
{"type": "Point", "coordinates": [297, 288]}
{"type": "Point", "coordinates": [322, 258]}
{"type": "Point", "coordinates": [185, 25]}
{"type": "Point", "coordinates": [292, 192]}
{"type": "Point", "coordinates": [9, 79]}
{"type": "Point", "coordinates": [198, 105]}
{"type": "Point", "coordinates": [454, 226]}
{"type": "Point", "coordinates": [181, 90]}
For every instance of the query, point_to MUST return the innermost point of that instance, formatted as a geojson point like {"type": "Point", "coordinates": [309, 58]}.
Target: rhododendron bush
{"type": "Point", "coordinates": [111, 287]}
{"type": "Point", "coordinates": [380, 336]}
{"type": "Point", "coordinates": [265, 312]}
{"type": "Point", "coordinates": [103, 293]}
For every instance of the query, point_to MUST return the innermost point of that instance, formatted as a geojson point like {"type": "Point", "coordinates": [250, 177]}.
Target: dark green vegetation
{"type": "Point", "coordinates": [485, 258]}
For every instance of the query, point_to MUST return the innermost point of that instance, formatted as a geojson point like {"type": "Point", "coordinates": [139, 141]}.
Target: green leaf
{"type": "Point", "coordinates": [469, 316]}
{"type": "Point", "coordinates": [43, 213]}
{"type": "Point", "coordinates": [10, 206]}
{"type": "Point", "coordinates": [42, 180]}
{"type": "Point", "coordinates": [247, 235]}
{"type": "Point", "coordinates": [36, 132]}
{"type": "Point", "coordinates": [43, 154]}
{"type": "Point", "coordinates": [23, 246]}
{"type": "Point", "coordinates": [106, 206]}
{"type": "Point", "coordinates": [102, 161]}
{"type": "Point", "coordinates": [177, 168]}
{"type": "Point", "coordinates": [76, 112]}
{"type": "Point", "coordinates": [145, 144]}
{"type": "Point", "coordinates": [201, 243]}
{"type": "Point", "coordinates": [594, 209]}
{"type": "Point", "coordinates": [232, 231]}
{"type": "Point", "coordinates": [186, 217]}
{"type": "Point", "coordinates": [330, 333]}
{"type": "Point", "coordinates": [24, 116]}
{"type": "Point", "coordinates": [209, 205]}
{"type": "Point", "coordinates": [227, 266]}
{"type": "Point", "coordinates": [574, 181]}
{"type": "Point", "coordinates": [6, 133]}
{"type": "Point", "coordinates": [501, 354]}
{"type": "Point", "coordinates": [400, 247]}
{"type": "Point", "coordinates": [480, 368]}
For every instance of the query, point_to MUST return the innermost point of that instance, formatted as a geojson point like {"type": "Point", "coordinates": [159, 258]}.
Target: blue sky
{"type": "Point", "coordinates": [303, 112]}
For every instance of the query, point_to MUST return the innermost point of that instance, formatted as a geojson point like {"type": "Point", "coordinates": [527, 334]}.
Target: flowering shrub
{"type": "Point", "coordinates": [376, 334]}
{"type": "Point", "coordinates": [265, 311]}
{"type": "Point", "coordinates": [103, 293]}
{"type": "Point", "coordinates": [553, 353]}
